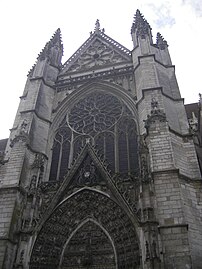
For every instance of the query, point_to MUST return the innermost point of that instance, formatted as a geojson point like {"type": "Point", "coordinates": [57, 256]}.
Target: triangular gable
{"type": "Point", "coordinates": [103, 175]}
{"type": "Point", "coordinates": [88, 156]}
{"type": "Point", "coordinates": [98, 51]}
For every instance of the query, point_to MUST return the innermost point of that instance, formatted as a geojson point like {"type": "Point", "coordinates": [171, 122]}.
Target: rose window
{"type": "Point", "coordinates": [105, 121]}
{"type": "Point", "coordinates": [96, 113]}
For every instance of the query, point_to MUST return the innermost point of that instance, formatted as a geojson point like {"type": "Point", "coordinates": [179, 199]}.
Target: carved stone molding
{"type": "Point", "coordinates": [38, 161]}
{"type": "Point", "coordinates": [157, 115]}
{"type": "Point", "coordinates": [70, 214]}
{"type": "Point", "coordinates": [23, 137]}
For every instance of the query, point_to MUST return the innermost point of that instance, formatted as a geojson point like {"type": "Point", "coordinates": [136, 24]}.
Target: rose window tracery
{"type": "Point", "coordinates": [106, 122]}
{"type": "Point", "coordinates": [96, 113]}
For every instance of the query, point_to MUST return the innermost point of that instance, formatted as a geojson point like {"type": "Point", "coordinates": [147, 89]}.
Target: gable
{"type": "Point", "coordinates": [88, 171]}
{"type": "Point", "coordinates": [97, 52]}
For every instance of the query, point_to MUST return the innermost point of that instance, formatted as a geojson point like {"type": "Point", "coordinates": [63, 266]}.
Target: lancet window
{"type": "Point", "coordinates": [103, 120]}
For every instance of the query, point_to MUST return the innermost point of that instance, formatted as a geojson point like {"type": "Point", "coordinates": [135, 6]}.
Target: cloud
{"type": "Point", "coordinates": [163, 14]}
{"type": "Point", "coordinates": [196, 6]}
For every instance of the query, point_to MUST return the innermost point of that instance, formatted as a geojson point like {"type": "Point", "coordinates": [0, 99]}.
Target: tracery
{"type": "Point", "coordinates": [103, 120]}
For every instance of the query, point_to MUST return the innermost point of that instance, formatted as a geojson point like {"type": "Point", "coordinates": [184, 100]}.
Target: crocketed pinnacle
{"type": "Point", "coordinates": [161, 42]}
{"type": "Point", "coordinates": [140, 26]}
{"type": "Point", "coordinates": [55, 41]}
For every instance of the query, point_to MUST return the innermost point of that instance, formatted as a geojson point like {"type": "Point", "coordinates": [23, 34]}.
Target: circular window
{"type": "Point", "coordinates": [95, 113]}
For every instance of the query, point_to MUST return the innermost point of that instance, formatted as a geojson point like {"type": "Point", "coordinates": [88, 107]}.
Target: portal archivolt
{"type": "Point", "coordinates": [70, 240]}
{"type": "Point", "coordinates": [90, 246]}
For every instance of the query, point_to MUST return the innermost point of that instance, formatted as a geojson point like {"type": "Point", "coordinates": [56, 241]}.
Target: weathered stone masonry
{"type": "Point", "coordinates": [100, 169]}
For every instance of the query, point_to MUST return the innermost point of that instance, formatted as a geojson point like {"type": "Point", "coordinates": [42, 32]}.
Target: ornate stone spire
{"type": "Point", "coordinates": [140, 26]}
{"type": "Point", "coordinates": [161, 42]}
{"type": "Point", "coordinates": [55, 43]}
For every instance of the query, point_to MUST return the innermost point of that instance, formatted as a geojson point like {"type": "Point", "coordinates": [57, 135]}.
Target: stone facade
{"type": "Point", "coordinates": [100, 169]}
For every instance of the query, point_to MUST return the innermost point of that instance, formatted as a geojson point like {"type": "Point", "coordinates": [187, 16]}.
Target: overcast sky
{"type": "Point", "coordinates": [27, 25]}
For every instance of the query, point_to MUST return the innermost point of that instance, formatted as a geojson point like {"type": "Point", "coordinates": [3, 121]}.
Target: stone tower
{"type": "Point", "coordinates": [100, 169]}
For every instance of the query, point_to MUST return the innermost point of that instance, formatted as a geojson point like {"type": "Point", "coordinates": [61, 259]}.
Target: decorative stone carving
{"type": "Point", "coordinates": [98, 54]}
{"type": "Point", "coordinates": [38, 161]}
{"type": "Point", "coordinates": [23, 127]}
{"type": "Point", "coordinates": [145, 173]}
{"type": "Point", "coordinates": [140, 26]}
{"type": "Point", "coordinates": [72, 83]}
{"type": "Point", "coordinates": [156, 115]}
{"type": "Point", "coordinates": [128, 186]}
{"type": "Point", "coordinates": [98, 112]}
{"type": "Point", "coordinates": [89, 247]}
{"type": "Point", "coordinates": [161, 42]}
{"type": "Point", "coordinates": [54, 42]}
{"type": "Point", "coordinates": [50, 186]}
{"type": "Point", "coordinates": [147, 251]}
{"type": "Point", "coordinates": [70, 214]}
{"type": "Point", "coordinates": [22, 134]}
{"type": "Point", "coordinates": [88, 174]}
{"type": "Point", "coordinates": [102, 119]}
{"type": "Point", "coordinates": [20, 138]}
{"type": "Point", "coordinates": [33, 183]}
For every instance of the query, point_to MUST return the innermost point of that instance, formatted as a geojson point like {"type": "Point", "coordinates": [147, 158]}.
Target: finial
{"type": "Point", "coordinates": [97, 26]}
{"type": "Point", "coordinates": [161, 42]}
{"type": "Point", "coordinates": [140, 26]}
{"type": "Point", "coordinates": [56, 38]}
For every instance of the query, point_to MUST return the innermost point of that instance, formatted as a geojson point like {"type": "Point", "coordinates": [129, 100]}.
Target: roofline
{"type": "Point", "coordinates": [101, 34]}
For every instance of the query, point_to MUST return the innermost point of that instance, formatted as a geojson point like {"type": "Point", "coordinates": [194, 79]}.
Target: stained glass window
{"type": "Point", "coordinates": [107, 123]}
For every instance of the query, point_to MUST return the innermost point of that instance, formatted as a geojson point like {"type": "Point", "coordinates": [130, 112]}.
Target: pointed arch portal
{"type": "Point", "coordinates": [86, 230]}
{"type": "Point", "coordinates": [89, 245]}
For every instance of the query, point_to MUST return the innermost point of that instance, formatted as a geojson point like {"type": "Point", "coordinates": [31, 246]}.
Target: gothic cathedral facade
{"type": "Point", "coordinates": [100, 169]}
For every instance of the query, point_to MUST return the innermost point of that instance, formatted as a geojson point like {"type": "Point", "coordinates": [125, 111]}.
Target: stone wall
{"type": "Point", "coordinates": [7, 217]}
{"type": "Point", "coordinates": [192, 205]}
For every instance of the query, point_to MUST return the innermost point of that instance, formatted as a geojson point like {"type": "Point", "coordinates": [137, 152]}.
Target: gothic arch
{"type": "Point", "coordinates": [86, 89]}
{"type": "Point", "coordinates": [121, 108]}
{"type": "Point", "coordinates": [69, 215]}
{"type": "Point", "coordinates": [107, 235]}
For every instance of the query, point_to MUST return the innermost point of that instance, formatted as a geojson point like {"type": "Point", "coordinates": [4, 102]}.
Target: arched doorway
{"type": "Point", "coordinates": [59, 236]}
{"type": "Point", "coordinates": [89, 247]}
